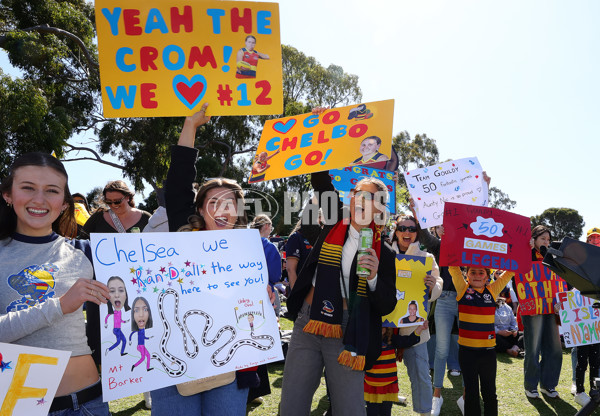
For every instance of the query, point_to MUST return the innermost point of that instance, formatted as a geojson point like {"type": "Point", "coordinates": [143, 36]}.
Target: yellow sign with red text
{"type": "Point", "coordinates": [164, 58]}
{"type": "Point", "coordinates": [340, 137]}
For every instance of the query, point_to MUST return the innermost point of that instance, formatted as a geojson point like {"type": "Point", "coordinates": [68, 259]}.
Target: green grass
{"type": "Point", "coordinates": [509, 383]}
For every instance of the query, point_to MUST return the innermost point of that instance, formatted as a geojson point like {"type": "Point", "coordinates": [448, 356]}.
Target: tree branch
{"type": "Point", "coordinates": [96, 157]}
{"type": "Point", "coordinates": [60, 32]}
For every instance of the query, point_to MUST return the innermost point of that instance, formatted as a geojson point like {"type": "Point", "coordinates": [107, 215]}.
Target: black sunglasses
{"type": "Point", "coordinates": [403, 228]}
{"type": "Point", "coordinates": [115, 202]}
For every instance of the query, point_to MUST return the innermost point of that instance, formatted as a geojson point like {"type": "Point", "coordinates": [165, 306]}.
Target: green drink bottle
{"type": "Point", "coordinates": [365, 242]}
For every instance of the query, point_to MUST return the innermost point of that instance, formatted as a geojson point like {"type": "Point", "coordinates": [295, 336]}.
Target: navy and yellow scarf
{"type": "Point", "coordinates": [326, 311]}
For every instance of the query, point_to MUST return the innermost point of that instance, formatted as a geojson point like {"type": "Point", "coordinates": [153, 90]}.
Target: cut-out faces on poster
{"type": "Point", "coordinates": [195, 310]}
{"type": "Point", "coordinates": [164, 58]}
{"type": "Point", "coordinates": [335, 139]}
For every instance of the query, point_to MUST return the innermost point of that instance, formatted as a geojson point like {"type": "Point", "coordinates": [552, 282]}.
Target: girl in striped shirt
{"type": "Point", "coordinates": [477, 336]}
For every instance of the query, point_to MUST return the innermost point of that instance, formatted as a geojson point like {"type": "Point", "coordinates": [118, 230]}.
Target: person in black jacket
{"type": "Point", "coordinates": [338, 324]}
{"type": "Point", "coordinates": [213, 207]}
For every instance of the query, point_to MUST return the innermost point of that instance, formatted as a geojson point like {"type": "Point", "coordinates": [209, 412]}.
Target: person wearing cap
{"type": "Point", "coordinates": [593, 236]}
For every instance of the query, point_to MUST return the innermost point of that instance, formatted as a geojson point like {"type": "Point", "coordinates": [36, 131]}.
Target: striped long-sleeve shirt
{"type": "Point", "coordinates": [476, 310]}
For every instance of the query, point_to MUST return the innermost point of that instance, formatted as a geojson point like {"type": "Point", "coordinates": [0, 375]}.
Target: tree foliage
{"type": "Point", "coordinates": [52, 43]}
{"type": "Point", "coordinates": [417, 152]}
{"type": "Point", "coordinates": [563, 222]}
{"type": "Point", "coordinates": [500, 200]}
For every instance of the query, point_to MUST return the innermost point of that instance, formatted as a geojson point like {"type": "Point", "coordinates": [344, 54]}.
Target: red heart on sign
{"type": "Point", "coordinates": [190, 93]}
{"type": "Point", "coordinates": [408, 173]}
{"type": "Point", "coordinates": [476, 176]}
{"type": "Point", "coordinates": [418, 198]}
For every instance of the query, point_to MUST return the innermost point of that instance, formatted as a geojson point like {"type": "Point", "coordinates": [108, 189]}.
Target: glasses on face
{"type": "Point", "coordinates": [369, 196]}
{"type": "Point", "coordinates": [403, 228]}
{"type": "Point", "coordinates": [115, 202]}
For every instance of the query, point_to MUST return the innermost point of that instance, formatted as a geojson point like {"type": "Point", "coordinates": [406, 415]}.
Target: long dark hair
{"type": "Point", "coordinates": [65, 224]}
{"type": "Point", "coordinates": [410, 218]}
{"type": "Point", "coordinates": [125, 304]}
{"type": "Point", "coordinates": [134, 325]}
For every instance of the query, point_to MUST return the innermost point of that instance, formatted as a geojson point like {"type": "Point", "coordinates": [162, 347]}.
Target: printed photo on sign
{"type": "Point", "coordinates": [335, 139]}
{"type": "Point", "coordinates": [412, 294]}
{"type": "Point", "coordinates": [344, 180]}
{"type": "Point", "coordinates": [485, 237]}
{"type": "Point", "coordinates": [579, 320]}
{"type": "Point", "coordinates": [459, 181]}
{"type": "Point", "coordinates": [537, 288]}
{"type": "Point", "coordinates": [182, 307]}
{"type": "Point", "coordinates": [164, 58]}
{"type": "Point", "coordinates": [29, 378]}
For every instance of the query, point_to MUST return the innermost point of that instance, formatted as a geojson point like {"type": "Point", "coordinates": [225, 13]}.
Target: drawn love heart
{"type": "Point", "coordinates": [426, 170]}
{"type": "Point", "coordinates": [418, 198]}
{"type": "Point", "coordinates": [189, 91]}
{"type": "Point", "coordinates": [476, 176]}
{"type": "Point", "coordinates": [283, 128]}
{"type": "Point", "coordinates": [466, 171]}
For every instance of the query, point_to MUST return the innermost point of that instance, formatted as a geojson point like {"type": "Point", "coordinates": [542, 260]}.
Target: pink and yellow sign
{"type": "Point", "coordinates": [163, 58]}
{"type": "Point", "coordinates": [354, 135]}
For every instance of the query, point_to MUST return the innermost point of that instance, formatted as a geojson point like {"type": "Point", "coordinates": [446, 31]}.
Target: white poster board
{"type": "Point", "coordinates": [198, 307]}
{"type": "Point", "coordinates": [29, 378]}
{"type": "Point", "coordinates": [579, 321]}
{"type": "Point", "coordinates": [459, 181]}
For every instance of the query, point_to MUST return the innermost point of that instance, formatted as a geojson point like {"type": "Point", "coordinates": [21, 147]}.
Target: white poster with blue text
{"type": "Point", "coordinates": [459, 181]}
{"type": "Point", "coordinates": [182, 306]}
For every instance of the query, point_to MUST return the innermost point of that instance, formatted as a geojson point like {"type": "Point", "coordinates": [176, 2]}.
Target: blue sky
{"type": "Point", "coordinates": [514, 83]}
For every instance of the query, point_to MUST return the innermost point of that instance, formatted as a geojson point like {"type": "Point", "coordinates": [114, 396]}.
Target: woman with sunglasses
{"type": "Point", "coordinates": [338, 313]}
{"type": "Point", "coordinates": [121, 215]}
{"type": "Point", "coordinates": [416, 358]}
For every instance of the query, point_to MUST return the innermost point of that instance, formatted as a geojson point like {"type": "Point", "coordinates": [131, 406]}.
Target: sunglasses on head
{"type": "Point", "coordinates": [115, 202]}
{"type": "Point", "coordinates": [403, 228]}
{"type": "Point", "coordinates": [369, 196]}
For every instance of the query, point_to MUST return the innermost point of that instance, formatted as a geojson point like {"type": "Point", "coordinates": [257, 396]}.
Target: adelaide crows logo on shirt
{"type": "Point", "coordinates": [35, 284]}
